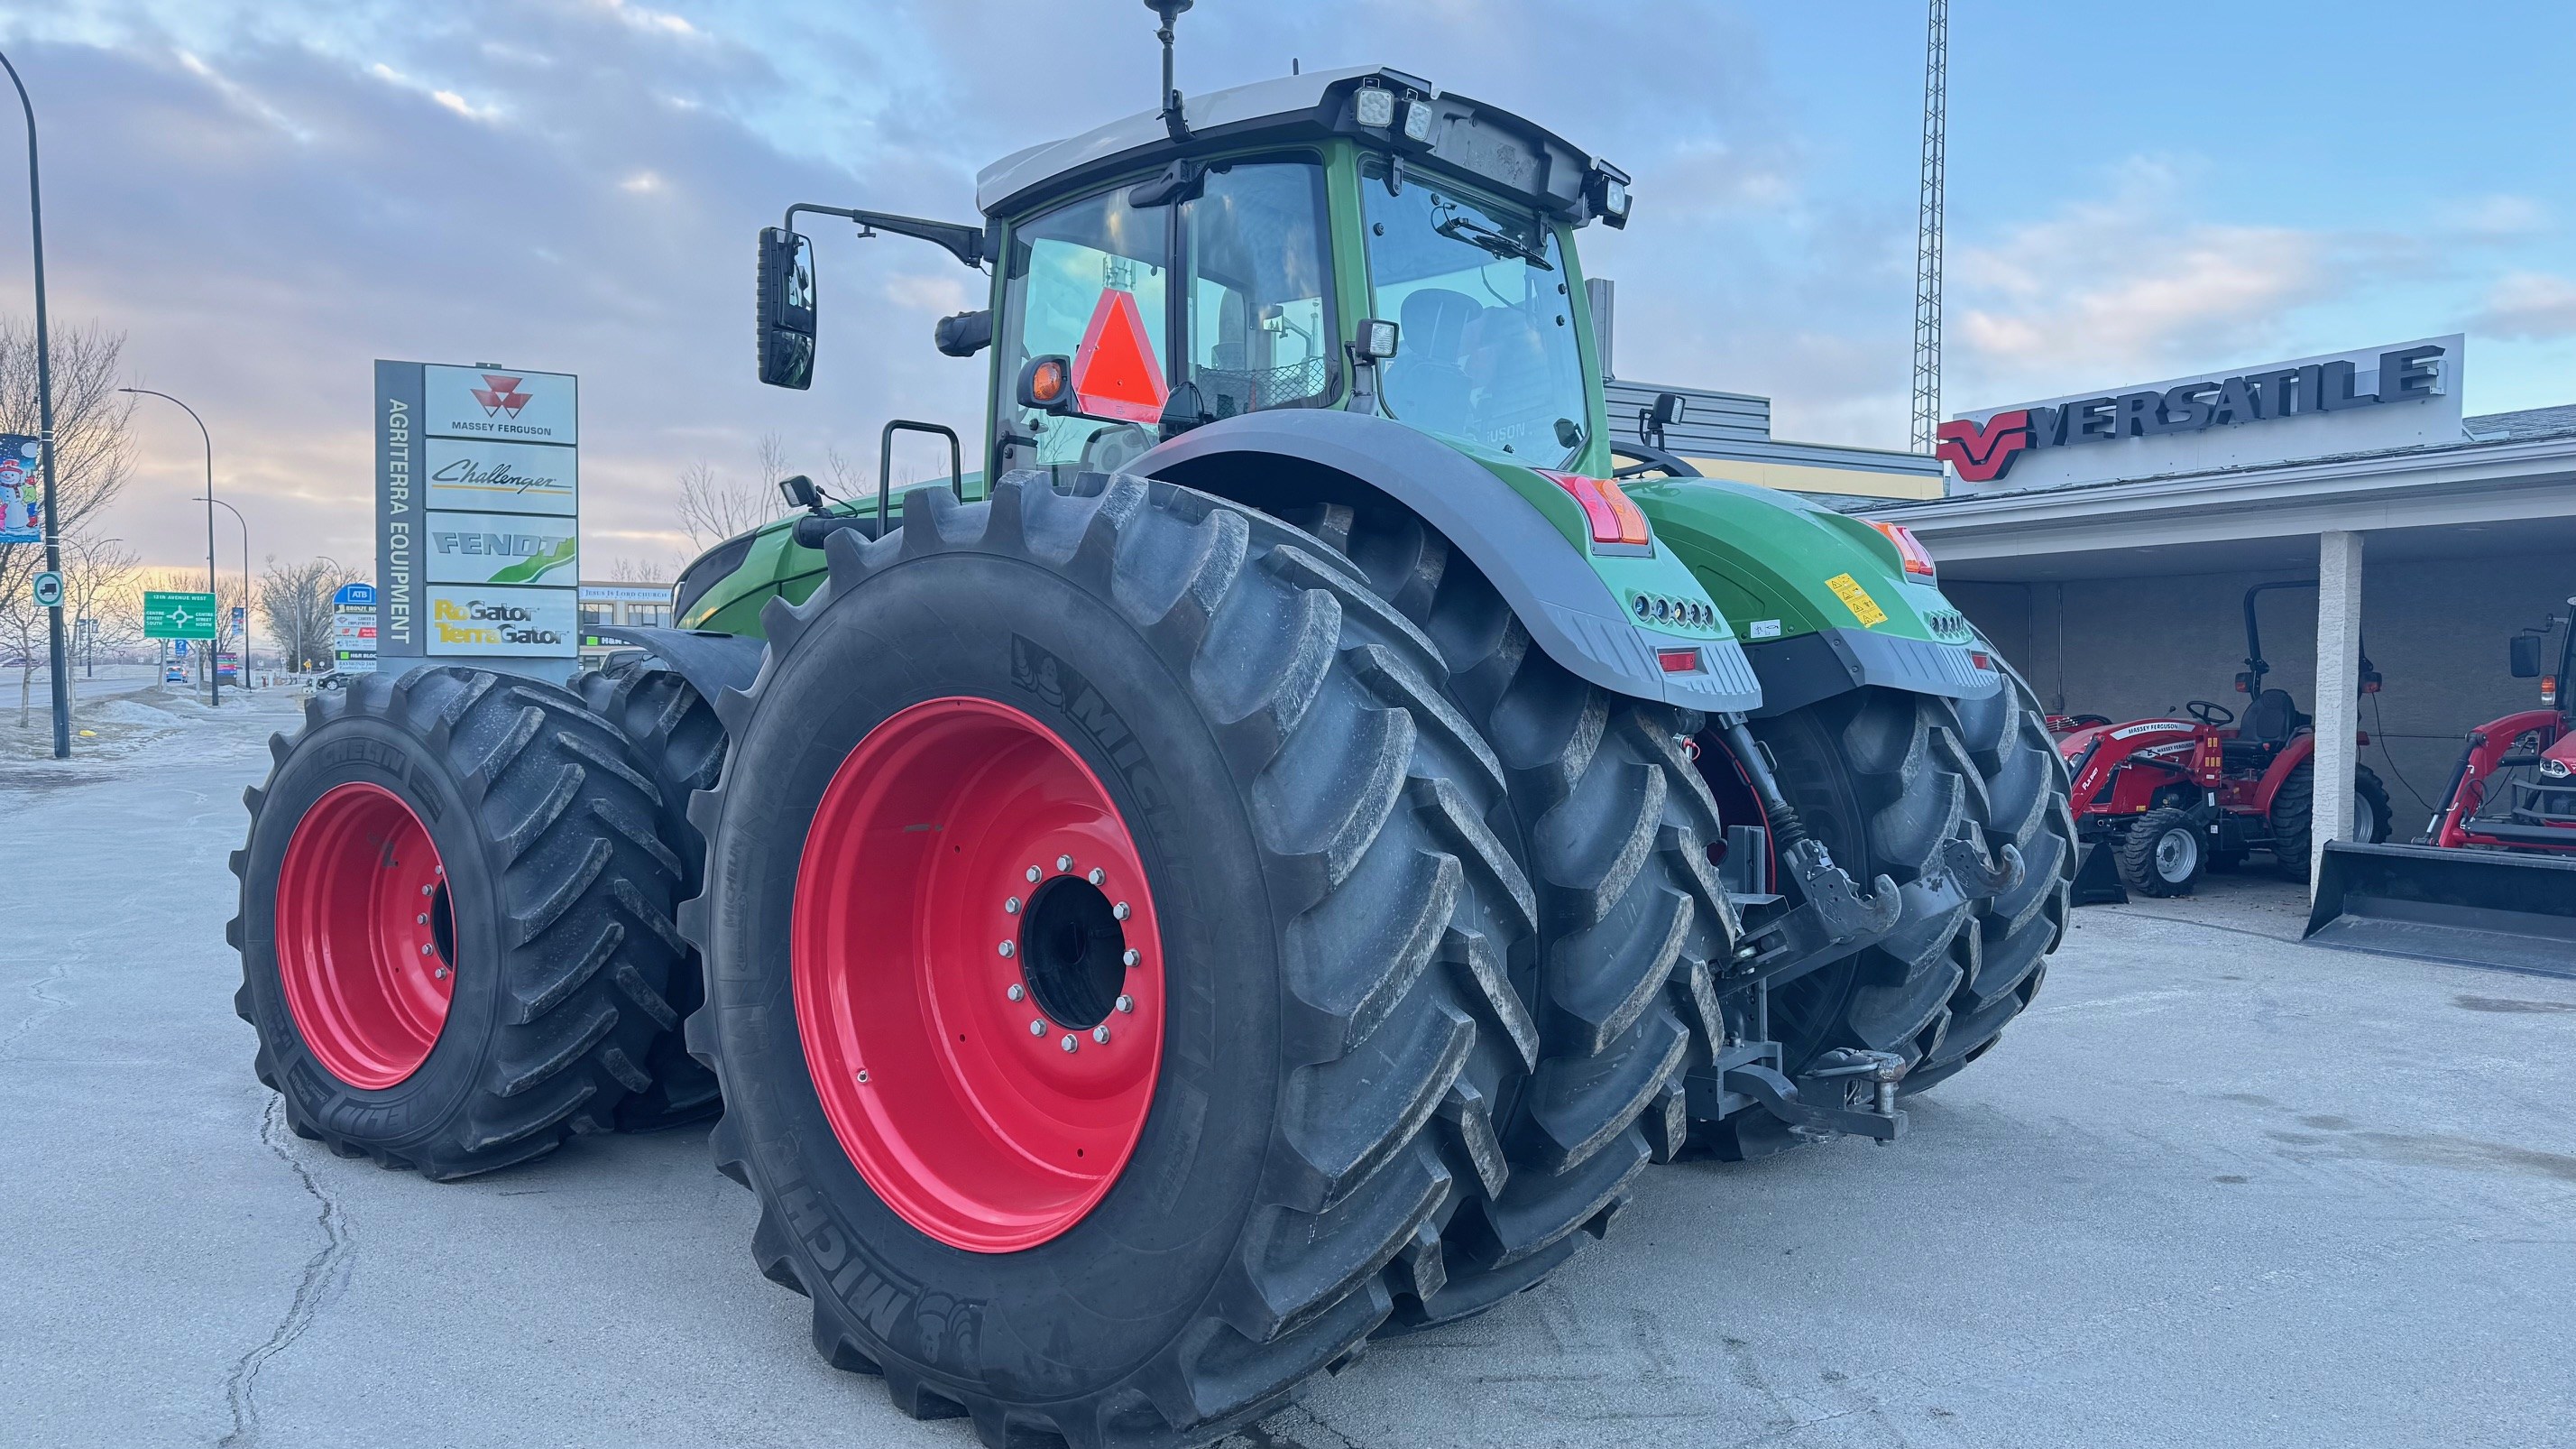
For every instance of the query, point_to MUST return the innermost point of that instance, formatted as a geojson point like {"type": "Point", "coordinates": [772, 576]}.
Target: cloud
{"type": "Point", "coordinates": [2125, 285]}
{"type": "Point", "coordinates": [2529, 307]}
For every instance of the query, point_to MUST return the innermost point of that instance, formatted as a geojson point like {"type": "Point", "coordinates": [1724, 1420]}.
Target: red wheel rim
{"type": "Point", "coordinates": [365, 936]}
{"type": "Point", "coordinates": [960, 883]}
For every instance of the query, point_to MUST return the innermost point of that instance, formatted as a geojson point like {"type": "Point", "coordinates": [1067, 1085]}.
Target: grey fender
{"type": "Point", "coordinates": [1310, 454]}
{"type": "Point", "coordinates": [711, 662]}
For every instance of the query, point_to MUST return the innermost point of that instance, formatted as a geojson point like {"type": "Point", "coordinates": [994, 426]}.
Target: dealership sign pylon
{"type": "Point", "coordinates": [478, 515]}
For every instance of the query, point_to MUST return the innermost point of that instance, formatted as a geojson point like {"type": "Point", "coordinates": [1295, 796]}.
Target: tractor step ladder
{"type": "Point", "coordinates": [2515, 912]}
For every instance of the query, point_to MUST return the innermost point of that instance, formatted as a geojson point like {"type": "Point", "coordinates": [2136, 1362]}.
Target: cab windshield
{"type": "Point", "coordinates": [1485, 352]}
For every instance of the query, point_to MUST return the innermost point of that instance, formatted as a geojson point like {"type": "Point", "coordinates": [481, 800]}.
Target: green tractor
{"type": "Point", "coordinates": [1299, 763]}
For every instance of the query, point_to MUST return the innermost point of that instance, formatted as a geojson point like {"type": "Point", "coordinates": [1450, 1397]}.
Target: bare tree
{"type": "Point", "coordinates": [96, 575]}
{"type": "Point", "coordinates": [715, 506]}
{"type": "Point", "coordinates": [92, 455]}
{"type": "Point", "coordinates": [625, 570]}
{"type": "Point", "coordinates": [295, 602]}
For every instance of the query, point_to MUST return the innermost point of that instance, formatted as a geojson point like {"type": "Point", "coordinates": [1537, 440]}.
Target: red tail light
{"type": "Point", "coordinates": [1918, 559]}
{"type": "Point", "coordinates": [1606, 510]}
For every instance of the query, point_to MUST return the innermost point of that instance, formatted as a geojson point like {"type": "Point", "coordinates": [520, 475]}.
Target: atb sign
{"type": "Point", "coordinates": [178, 616]}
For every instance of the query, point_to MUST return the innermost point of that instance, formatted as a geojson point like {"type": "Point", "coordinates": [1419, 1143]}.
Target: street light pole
{"type": "Point", "coordinates": [245, 603]}
{"type": "Point", "coordinates": [214, 661]}
{"type": "Point", "coordinates": [53, 529]}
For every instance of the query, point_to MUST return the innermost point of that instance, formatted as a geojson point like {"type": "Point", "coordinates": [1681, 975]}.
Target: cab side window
{"type": "Point", "coordinates": [1061, 265]}
{"type": "Point", "coordinates": [1260, 335]}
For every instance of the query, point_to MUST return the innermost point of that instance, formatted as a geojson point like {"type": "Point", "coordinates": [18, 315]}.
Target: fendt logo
{"type": "Point", "coordinates": [1982, 453]}
{"type": "Point", "coordinates": [500, 395]}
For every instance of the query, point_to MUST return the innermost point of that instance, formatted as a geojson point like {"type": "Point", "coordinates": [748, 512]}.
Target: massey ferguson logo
{"type": "Point", "coordinates": [500, 395]}
{"type": "Point", "coordinates": [1984, 452]}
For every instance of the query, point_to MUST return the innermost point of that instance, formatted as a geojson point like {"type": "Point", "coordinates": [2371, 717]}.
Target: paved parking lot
{"type": "Point", "coordinates": [2217, 1189]}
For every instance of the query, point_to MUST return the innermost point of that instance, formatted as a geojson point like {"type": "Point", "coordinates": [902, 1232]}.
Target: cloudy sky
{"type": "Point", "coordinates": [263, 195]}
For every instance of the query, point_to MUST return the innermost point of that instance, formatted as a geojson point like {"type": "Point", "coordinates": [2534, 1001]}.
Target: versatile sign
{"type": "Point", "coordinates": [48, 590]}
{"type": "Point", "coordinates": [478, 504]}
{"type": "Point", "coordinates": [178, 616]}
{"type": "Point", "coordinates": [22, 489]}
{"type": "Point", "coordinates": [2377, 398]}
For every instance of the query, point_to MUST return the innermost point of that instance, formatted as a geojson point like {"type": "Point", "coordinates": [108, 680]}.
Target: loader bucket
{"type": "Point", "coordinates": [2516, 912]}
{"type": "Point", "coordinates": [2097, 877]}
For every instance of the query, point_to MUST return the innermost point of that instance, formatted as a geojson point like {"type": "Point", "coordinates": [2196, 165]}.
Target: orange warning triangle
{"type": "Point", "coordinates": [1114, 371]}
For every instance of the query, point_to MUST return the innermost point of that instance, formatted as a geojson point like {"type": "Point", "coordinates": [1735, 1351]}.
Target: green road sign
{"type": "Point", "coordinates": [178, 616]}
{"type": "Point", "coordinates": [49, 590]}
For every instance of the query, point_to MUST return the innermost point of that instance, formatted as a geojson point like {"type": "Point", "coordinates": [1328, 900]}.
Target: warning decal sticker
{"type": "Point", "coordinates": [1857, 599]}
{"type": "Point", "coordinates": [1115, 374]}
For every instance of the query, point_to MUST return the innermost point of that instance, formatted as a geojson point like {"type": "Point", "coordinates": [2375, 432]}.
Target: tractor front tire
{"type": "Point", "coordinates": [2162, 854]}
{"type": "Point", "coordinates": [1107, 963]}
{"type": "Point", "coordinates": [455, 923]}
{"type": "Point", "coordinates": [2294, 805]}
{"type": "Point", "coordinates": [673, 734]}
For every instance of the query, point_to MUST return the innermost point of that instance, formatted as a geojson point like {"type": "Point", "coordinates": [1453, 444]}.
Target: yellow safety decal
{"type": "Point", "coordinates": [1857, 599]}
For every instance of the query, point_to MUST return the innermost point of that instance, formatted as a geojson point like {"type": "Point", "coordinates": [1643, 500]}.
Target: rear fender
{"type": "Point", "coordinates": [2297, 752]}
{"type": "Point", "coordinates": [1524, 532]}
{"type": "Point", "coordinates": [711, 662]}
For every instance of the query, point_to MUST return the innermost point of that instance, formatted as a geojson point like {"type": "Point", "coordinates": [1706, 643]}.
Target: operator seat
{"type": "Point", "coordinates": [1426, 383]}
{"type": "Point", "coordinates": [2269, 723]}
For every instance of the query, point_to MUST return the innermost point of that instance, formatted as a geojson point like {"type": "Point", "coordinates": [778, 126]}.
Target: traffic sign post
{"type": "Point", "coordinates": [178, 616]}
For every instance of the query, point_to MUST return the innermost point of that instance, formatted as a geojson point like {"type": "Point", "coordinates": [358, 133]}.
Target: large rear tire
{"type": "Point", "coordinates": [1316, 1019]}
{"type": "Point", "coordinates": [1615, 822]}
{"type": "Point", "coordinates": [455, 922]}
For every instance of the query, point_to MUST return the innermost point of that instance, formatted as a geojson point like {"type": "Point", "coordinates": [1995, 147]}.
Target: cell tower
{"type": "Point", "coordinates": [1927, 251]}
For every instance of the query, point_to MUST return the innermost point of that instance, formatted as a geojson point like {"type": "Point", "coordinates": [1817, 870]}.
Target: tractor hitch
{"type": "Point", "coordinates": [1848, 1091]}
{"type": "Point", "coordinates": [1833, 919]}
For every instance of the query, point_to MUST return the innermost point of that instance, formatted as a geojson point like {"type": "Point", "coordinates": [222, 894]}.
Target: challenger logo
{"type": "Point", "coordinates": [1984, 452]}
{"type": "Point", "coordinates": [500, 395]}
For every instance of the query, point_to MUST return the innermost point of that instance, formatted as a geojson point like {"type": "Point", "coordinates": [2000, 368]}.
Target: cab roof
{"type": "Point", "coordinates": [1481, 141]}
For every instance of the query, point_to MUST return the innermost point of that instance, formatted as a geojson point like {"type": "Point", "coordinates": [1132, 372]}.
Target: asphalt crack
{"type": "Point", "coordinates": [325, 1274]}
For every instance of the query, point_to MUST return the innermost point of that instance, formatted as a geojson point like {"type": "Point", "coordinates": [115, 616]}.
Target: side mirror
{"type": "Point", "coordinates": [786, 308]}
{"type": "Point", "coordinates": [800, 493]}
{"type": "Point", "coordinates": [1046, 385]}
{"type": "Point", "coordinates": [2526, 656]}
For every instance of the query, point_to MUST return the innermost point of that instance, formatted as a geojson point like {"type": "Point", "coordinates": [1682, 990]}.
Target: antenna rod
{"type": "Point", "coordinates": [1173, 120]}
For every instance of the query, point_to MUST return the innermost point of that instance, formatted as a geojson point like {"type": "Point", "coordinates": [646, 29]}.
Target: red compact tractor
{"type": "Point", "coordinates": [2515, 785]}
{"type": "Point", "coordinates": [2164, 799]}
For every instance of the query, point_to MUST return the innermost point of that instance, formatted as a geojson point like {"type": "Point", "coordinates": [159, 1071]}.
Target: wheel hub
{"type": "Point", "coordinates": [366, 935]}
{"type": "Point", "coordinates": [977, 974]}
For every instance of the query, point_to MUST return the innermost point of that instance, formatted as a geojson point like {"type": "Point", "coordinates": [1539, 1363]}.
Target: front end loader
{"type": "Point", "coordinates": [2492, 881]}
{"type": "Point", "coordinates": [1263, 859]}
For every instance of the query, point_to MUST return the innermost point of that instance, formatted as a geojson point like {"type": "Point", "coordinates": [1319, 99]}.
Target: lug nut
{"type": "Point", "coordinates": [1119, 910]}
{"type": "Point", "coordinates": [426, 948]}
{"type": "Point", "coordinates": [1068, 1042]}
{"type": "Point", "coordinates": [1034, 873]}
{"type": "Point", "coordinates": [439, 975]}
{"type": "Point", "coordinates": [1037, 1028]}
{"type": "Point", "coordinates": [1098, 875]}
{"type": "Point", "coordinates": [1132, 957]}
{"type": "Point", "coordinates": [425, 890]}
{"type": "Point", "coordinates": [1011, 907]}
{"type": "Point", "coordinates": [1125, 1003]}
{"type": "Point", "coordinates": [1008, 949]}
{"type": "Point", "coordinates": [1064, 862]}
{"type": "Point", "coordinates": [422, 918]}
{"type": "Point", "coordinates": [1015, 993]}
{"type": "Point", "coordinates": [1100, 1034]}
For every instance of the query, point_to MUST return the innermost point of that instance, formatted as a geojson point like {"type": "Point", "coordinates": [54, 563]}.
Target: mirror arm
{"type": "Point", "coordinates": [965, 243]}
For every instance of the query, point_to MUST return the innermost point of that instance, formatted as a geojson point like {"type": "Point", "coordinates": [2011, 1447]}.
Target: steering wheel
{"type": "Point", "coordinates": [2212, 715]}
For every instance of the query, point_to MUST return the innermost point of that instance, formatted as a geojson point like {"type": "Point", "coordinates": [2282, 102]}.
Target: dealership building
{"type": "Point", "coordinates": [2106, 540]}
